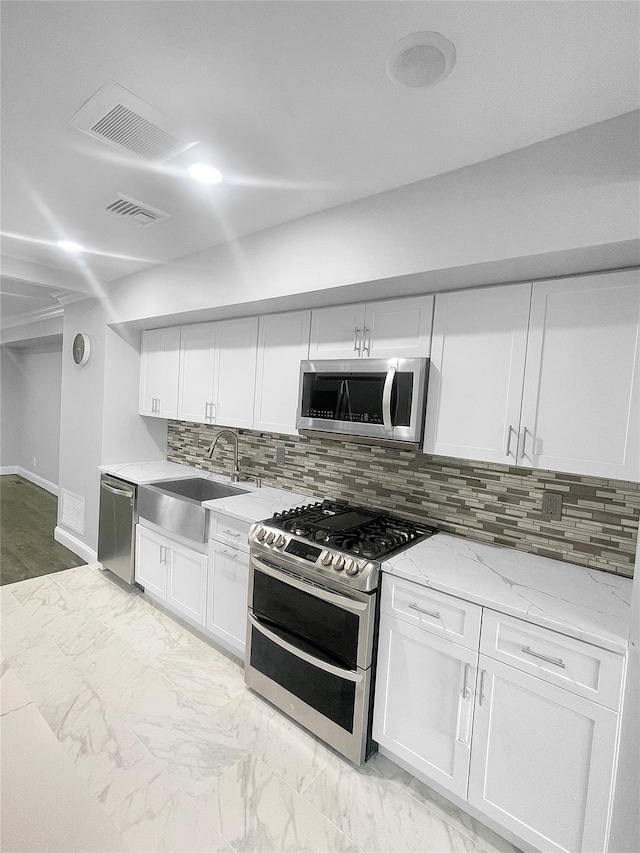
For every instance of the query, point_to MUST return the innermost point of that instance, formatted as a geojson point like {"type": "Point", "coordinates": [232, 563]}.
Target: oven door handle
{"type": "Point", "coordinates": [324, 594]}
{"type": "Point", "coordinates": [346, 674]}
{"type": "Point", "coordinates": [386, 399]}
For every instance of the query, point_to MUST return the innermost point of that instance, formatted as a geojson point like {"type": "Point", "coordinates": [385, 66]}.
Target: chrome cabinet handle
{"type": "Point", "coordinates": [357, 347]}
{"type": "Point", "coordinates": [366, 347]}
{"type": "Point", "coordinates": [386, 399]}
{"type": "Point", "coordinates": [163, 548]}
{"type": "Point", "coordinates": [432, 613]}
{"type": "Point", "coordinates": [526, 432]}
{"type": "Point", "coordinates": [346, 674]}
{"type": "Point", "coordinates": [557, 661]}
{"type": "Point", "coordinates": [231, 533]}
{"type": "Point", "coordinates": [206, 411]}
{"type": "Point", "coordinates": [483, 672]}
{"type": "Point", "coordinates": [465, 681]}
{"type": "Point", "coordinates": [214, 411]}
{"type": "Point", "coordinates": [511, 429]}
{"type": "Point", "coordinates": [232, 554]}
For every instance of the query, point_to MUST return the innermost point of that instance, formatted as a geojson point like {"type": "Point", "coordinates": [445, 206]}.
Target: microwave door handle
{"type": "Point", "coordinates": [386, 399]}
{"type": "Point", "coordinates": [347, 674]}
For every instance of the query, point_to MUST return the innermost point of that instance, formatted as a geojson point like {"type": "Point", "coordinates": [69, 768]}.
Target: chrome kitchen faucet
{"type": "Point", "coordinates": [235, 476]}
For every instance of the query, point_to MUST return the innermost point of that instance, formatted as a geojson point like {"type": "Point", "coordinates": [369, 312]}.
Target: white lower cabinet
{"type": "Point", "coordinates": [424, 702]}
{"type": "Point", "coordinates": [227, 595]}
{"type": "Point", "coordinates": [172, 572]}
{"type": "Point", "coordinates": [542, 760]}
{"type": "Point", "coordinates": [534, 757]}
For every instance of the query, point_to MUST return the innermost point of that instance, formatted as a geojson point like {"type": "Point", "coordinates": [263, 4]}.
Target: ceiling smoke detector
{"type": "Point", "coordinates": [420, 59]}
{"type": "Point", "coordinates": [120, 119]}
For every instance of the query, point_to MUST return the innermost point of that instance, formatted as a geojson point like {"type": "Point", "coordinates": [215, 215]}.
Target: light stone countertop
{"type": "Point", "coordinates": [255, 505]}
{"type": "Point", "coordinates": [583, 603]}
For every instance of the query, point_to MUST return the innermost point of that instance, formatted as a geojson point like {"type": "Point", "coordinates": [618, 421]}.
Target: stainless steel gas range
{"type": "Point", "coordinates": [313, 615]}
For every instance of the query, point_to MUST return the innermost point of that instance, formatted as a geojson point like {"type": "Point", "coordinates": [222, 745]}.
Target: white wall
{"type": "Point", "coordinates": [10, 409]}
{"type": "Point", "coordinates": [568, 193]}
{"type": "Point", "coordinates": [31, 409]}
{"type": "Point", "coordinates": [99, 421]}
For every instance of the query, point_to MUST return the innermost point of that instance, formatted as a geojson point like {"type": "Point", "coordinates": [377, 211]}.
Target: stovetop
{"type": "Point", "coordinates": [337, 540]}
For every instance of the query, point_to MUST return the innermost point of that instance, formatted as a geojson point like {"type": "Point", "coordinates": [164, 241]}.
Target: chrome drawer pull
{"type": "Point", "coordinates": [465, 685]}
{"type": "Point", "coordinates": [556, 661]}
{"type": "Point", "coordinates": [426, 612]}
{"type": "Point", "coordinates": [483, 672]}
{"type": "Point", "coordinates": [230, 533]}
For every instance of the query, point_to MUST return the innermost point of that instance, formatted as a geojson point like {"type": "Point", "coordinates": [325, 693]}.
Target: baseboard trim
{"type": "Point", "coordinates": [75, 545]}
{"type": "Point", "coordinates": [36, 479]}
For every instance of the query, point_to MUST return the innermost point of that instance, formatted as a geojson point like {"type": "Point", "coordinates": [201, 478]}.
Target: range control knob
{"type": "Point", "coordinates": [280, 540]}
{"type": "Point", "coordinates": [270, 537]}
{"type": "Point", "coordinates": [326, 558]}
{"type": "Point", "coordinates": [351, 567]}
{"type": "Point", "coordinates": [260, 534]}
{"type": "Point", "coordinates": [338, 563]}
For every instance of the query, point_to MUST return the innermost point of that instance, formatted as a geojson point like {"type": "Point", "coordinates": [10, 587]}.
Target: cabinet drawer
{"type": "Point", "coordinates": [230, 531]}
{"type": "Point", "coordinates": [432, 611]}
{"type": "Point", "coordinates": [577, 666]}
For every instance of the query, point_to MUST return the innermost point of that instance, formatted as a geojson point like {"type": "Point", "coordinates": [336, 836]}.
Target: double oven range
{"type": "Point", "coordinates": [313, 615]}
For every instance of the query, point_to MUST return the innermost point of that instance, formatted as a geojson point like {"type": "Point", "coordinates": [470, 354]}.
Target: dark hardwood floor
{"type": "Point", "coordinates": [27, 521]}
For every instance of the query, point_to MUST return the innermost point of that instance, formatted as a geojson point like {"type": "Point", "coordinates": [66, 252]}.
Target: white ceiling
{"type": "Point", "coordinates": [289, 99]}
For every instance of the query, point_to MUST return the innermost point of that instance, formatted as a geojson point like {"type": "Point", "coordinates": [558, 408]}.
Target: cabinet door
{"type": "Point", "coordinates": [580, 402]}
{"type": "Point", "coordinates": [235, 372]}
{"type": "Point", "coordinates": [542, 760]}
{"type": "Point", "coordinates": [151, 562]}
{"type": "Point", "coordinates": [424, 701]}
{"type": "Point", "coordinates": [283, 342]}
{"type": "Point", "coordinates": [227, 596]}
{"type": "Point", "coordinates": [197, 363]}
{"type": "Point", "coordinates": [159, 368]}
{"type": "Point", "coordinates": [477, 371]}
{"type": "Point", "coordinates": [398, 328]}
{"type": "Point", "coordinates": [187, 581]}
{"type": "Point", "coordinates": [337, 332]}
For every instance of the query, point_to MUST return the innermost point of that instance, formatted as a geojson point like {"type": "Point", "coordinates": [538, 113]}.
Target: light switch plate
{"type": "Point", "coordinates": [551, 506]}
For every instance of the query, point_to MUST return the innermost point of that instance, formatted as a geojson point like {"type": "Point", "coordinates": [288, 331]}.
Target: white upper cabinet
{"type": "Point", "coordinates": [235, 372]}
{"type": "Point", "coordinates": [197, 364]}
{"type": "Point", "coordinates": [283, 342]}
{"type": "Point", "coordinates": [398, 328]}
{"type": "Point", "coordinates": [477, 370]}
{"type": "Point", "coordinates": [159, 368]}
{"type": "Point", "coordinates": [217, 372]}
{"type": "Point", "coordinates": [580, 401]}
{"type": "Point", "coordinates": [554, 386]}
{"type": "Point", "coordinates": [388, 329]}
{"type": "Point", "coordinates": [337, 332]}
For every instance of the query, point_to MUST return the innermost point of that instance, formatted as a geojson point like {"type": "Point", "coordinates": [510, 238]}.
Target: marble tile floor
{"type": "Point", "coordinates": [161, 732]}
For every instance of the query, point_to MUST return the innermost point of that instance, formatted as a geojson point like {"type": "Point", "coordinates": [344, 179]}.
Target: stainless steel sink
{"type": "Point", "coordinates": [176, 505]}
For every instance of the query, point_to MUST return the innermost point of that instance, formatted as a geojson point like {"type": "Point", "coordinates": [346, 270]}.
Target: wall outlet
{"type": "Point", "coordinates": [280, 454]}
{"type": "Point", "coordinates": [551, 506]}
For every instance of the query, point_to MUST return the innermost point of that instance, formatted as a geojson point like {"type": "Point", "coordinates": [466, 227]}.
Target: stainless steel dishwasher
{"type": "Point", "coordinates": [117, 526]}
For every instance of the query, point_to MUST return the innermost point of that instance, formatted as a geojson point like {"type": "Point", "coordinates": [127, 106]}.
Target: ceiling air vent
{"type": "Point", "coordinates": [134, 211]}
{"type": "Point", "coordinates": [122, 120]}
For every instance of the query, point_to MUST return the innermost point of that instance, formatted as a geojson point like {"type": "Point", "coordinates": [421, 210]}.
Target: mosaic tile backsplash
{"type": "Point", "coordinates": [492, 503]}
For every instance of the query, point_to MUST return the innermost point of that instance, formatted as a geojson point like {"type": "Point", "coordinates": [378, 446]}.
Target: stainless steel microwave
{"type": "Point", "coordinates": [373, 398]}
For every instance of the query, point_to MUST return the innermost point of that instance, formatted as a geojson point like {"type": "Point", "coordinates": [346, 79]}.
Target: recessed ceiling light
{"type": "Point", "coordinates": [206, 174]}
{"type": "Point", "coordinates": [420, 59]}
{"type": "Point", "coordinates": [70, 246]}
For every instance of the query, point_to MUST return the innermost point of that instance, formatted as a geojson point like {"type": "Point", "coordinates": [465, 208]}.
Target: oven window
{"type": "Point", "coordinates": [331, 696]}
{"type": "Point", "coordinates": [322, 625]}
{"type": "Point", "coordinates": [355, 397]}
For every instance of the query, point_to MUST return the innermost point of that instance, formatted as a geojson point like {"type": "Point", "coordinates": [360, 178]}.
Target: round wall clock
{"type": "Point", "coordinates": [81, 349]}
